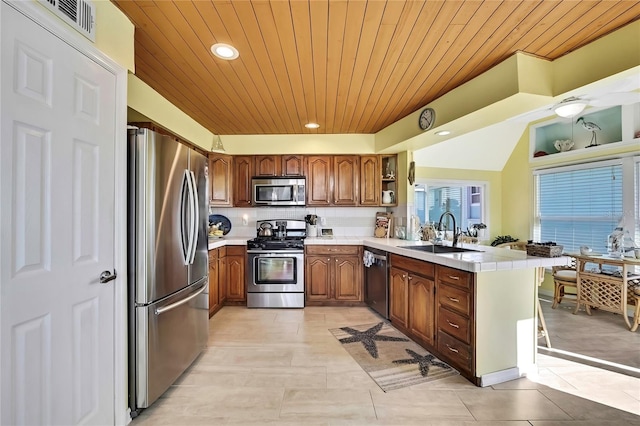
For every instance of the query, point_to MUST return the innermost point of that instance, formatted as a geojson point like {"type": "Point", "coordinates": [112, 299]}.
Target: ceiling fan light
{"type": "Point", "coordinates": [570, 108]}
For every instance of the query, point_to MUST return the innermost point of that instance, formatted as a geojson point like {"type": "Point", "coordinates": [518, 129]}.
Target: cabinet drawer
{"type": "Point", "coordinates": [455, 350]}
{"type": "Point", "coordinates": [454, 298]}
{"type": "Point", "coordinates": [236, 250]}
{"type": "Point", "coordinates": [454, 324]}
{"type": "Point", "coordinates": [419, 267]}
{"type": "Point", "coordinates": [454, 276]}
{"type": "Point", "coordinates": [330, 250]}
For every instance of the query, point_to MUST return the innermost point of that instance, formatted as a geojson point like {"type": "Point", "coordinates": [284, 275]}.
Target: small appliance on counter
{"type": "Point", "coordinates": [275, 265]}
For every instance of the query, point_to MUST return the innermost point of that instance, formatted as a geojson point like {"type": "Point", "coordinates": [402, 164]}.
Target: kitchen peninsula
{"type": "Point", "coordinates": [482, 312]}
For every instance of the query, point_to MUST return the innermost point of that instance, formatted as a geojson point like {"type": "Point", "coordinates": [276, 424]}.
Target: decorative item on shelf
{"type": "Point", "coordinates": [586, 250]}
{"type": "Point", "coordinates": [383, 224]}
{"type": "Point", "coordinates": [548, 249]}
{"type": "Point", "coordinates": [637, 135]}
{"type": "Point", "coordinates": [387, 196]}
{"type": "Point", "coordinates": [591, 127]}
{"type": "Point", "coordinates": [540, 154]}
{"type": "Point", "coordinates": [563, 145]}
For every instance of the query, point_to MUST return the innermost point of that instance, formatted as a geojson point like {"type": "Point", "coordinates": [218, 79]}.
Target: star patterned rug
{"type": "Point", "coordinates": [391, 359]}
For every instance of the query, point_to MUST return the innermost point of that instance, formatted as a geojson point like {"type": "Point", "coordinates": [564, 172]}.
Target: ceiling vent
{"type": "Point", "coordinates": [80, 14]}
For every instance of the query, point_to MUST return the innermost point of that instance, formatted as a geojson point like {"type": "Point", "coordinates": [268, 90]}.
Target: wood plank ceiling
{"type": "Point", "coordinates": [351, 66]}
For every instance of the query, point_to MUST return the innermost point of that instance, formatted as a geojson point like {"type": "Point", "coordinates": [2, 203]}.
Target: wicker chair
{"type": "Point", "coordinates": [563, 277]}
{"type": "Point", "coordinates": [542, 327]}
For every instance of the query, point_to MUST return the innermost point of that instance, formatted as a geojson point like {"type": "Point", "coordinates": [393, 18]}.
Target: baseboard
{"type": "Point", "coordinates": [500, 377]}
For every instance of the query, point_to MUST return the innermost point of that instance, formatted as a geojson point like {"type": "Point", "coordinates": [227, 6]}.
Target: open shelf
{"type": "Point", "coordinates": [619, 125]}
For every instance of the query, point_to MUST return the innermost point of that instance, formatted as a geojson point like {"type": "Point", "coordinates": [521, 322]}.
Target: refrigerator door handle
{"type": "Point", "coordinates": [185, 235]}
{"type": "Point", "coordinates": [180, 302]}
{"type": "Point", "coordinates": [195, 216]}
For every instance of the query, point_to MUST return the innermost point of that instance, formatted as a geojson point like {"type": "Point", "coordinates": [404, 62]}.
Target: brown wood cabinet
{"type": "Point", "coordinates": [346, 177]}
{"type": "Point", "coordinates": [370, 192]}
{"type": "Point", "coordinates": [243, 167]}
{"type": "Point", "coordinates": [220, 180]}
{"type": "Point", "coordinates": [455, 318]}
{"type": "Point", "coordinates": [279, 165]}
{"type": "Point", "coordinates": [235, 262]}
{"type": "Point", "coordinates": [319, 172]}
{"type": "Point", "coordinates": [292, 165]}
{"type": "Point", "coordinates": [412, 297]}
{"type": "Point", "coordinates": [217, 292]}
{"type": "Point", "coordinates": [333, 180]}
{"type": "Point", "coordinates": [398, 297]}
{"type": "Point", "coordinates": [421, 308]}
{"type": "Point", "coordinates": [267, 165]}
{"type": "Point", "coordinates": [333, 274]}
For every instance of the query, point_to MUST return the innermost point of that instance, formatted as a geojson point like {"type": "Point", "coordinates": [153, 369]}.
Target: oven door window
{"type": "Point", "coordinates": [275, 270]}
{"type": "Point", "coordinates": [274, 193]}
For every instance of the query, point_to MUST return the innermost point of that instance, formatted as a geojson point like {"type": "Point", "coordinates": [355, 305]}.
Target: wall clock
{"type": "Point", "coordinates": [427, 118]}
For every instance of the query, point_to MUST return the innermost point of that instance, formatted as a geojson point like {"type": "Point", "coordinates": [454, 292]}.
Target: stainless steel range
{"type": "Point", "coordinates": [275, 277]}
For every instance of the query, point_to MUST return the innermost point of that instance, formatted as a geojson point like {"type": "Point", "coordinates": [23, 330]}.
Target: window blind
{"type": "Point", "coordinates": [577, 207]}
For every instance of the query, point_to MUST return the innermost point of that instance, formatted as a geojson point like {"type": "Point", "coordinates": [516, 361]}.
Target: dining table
{"type": "Point", "coordinates": [610, 284]}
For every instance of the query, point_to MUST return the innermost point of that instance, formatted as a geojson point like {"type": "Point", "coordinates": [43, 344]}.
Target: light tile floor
{"type": "Point", "coordinates": [283, 367]}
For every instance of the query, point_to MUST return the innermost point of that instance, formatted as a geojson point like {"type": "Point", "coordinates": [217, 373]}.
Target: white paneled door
{"type": "Point", "coordinates": [57, 230]}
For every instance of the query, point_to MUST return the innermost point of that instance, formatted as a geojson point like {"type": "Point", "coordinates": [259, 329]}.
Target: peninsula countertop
{"type": "Point", "coordinates": [483, 259]}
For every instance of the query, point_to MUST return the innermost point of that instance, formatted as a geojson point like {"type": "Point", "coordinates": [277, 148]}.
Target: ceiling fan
{"type": "Point", "coordinates": [572, 106]}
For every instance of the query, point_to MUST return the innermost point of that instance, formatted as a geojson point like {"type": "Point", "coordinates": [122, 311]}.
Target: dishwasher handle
{"type": "Point", "coordinates": [378, 257]}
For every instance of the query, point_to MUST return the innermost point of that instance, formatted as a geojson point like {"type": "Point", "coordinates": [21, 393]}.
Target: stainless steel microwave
{"type": "Point", "coordinates": [278, 191]}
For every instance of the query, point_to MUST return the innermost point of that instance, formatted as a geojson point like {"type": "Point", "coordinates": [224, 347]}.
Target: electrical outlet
{"type": "Point", "coordinates": [323, 221]}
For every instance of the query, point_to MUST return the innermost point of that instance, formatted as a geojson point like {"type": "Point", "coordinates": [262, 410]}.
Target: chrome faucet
{"type": "Point", "coordinates": [453, 218]}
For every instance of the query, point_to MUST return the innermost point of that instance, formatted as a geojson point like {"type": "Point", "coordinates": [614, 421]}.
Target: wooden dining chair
{"type": "Point", "coordinates": [563, 277]}
{"type": "Point", "coordinates": [542, 325]}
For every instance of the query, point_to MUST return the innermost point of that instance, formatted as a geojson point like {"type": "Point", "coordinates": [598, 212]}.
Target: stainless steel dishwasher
{"type": "Point", "coordinates": [376, 276]}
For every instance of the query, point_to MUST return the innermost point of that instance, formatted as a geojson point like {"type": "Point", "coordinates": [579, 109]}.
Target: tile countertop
{"type": "Point", "coordinates": [486, 259]}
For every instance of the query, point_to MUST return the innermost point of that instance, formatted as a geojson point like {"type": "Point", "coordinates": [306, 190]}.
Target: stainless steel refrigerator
{"type": "Point", "coordinates": [167, 260]}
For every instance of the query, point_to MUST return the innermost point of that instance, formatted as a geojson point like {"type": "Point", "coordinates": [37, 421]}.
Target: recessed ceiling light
{"type": "Point", "coordinates": [443, 133]}
{"type": "Point", "coordinates": [312, 125]}
{"type": "Point", "coordinates": [224, 51]}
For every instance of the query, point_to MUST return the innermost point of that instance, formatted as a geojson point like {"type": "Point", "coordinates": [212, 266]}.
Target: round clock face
{"type": "Point", "coordinates": [427, 118]}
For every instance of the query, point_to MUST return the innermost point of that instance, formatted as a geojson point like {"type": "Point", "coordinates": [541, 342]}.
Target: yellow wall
{"type": "Point", "coordinates": [299, 144]}
{"type": "Point", "coordinates": [146, 101]}
{"type": "Point", "coordinates": [495, 190]}
{"type": "Point", "coordinates": [114, 34]}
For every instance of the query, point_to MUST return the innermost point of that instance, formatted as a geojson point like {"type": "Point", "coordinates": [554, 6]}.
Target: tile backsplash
{"type": "Point", "coordinates": [345, 221]}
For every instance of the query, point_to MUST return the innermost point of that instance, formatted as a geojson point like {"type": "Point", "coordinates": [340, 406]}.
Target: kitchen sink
{"type": "Point", "coordinates": [439, 249]}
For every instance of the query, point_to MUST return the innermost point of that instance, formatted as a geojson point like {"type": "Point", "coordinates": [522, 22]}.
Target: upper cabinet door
{"type": "Point", "coordinates": [220, 180]}
{"type": "Point", "coordinates": [267, 165]}
{"type": "Point", "coordinates": [242, 172]}
{"type": "Point", "coordinates": [346, 170]}
{"type": "Point", "coordinates": [369, 180]}
{"type": "Point", "coordinates": [292, 165]}
{"type": "Point", "coordinates": [319, 180]}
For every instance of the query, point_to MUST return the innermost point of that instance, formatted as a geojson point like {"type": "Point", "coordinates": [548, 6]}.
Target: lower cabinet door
{"type": "Point", "coordinates": [421, 308]}
{"type": "Point", "coordinates": [318, 277]}
{"type": "Point", "coordinates": [348, 278]}
{"type": "Point", "coordinates": [398, 296]}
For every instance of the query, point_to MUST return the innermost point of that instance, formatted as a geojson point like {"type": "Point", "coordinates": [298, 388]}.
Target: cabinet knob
{"type": "Point", "coordinates": [410, 277]}
{"type": "Point", "coordinates": [336, 260]}
{"type": "Point", "coordinates": [404, 276]}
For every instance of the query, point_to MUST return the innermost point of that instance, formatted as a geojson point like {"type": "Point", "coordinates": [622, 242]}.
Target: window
{"type": "Point", "coordinates": [581, 205]}
{"type": "Point", "coordinates": [466, 202]}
